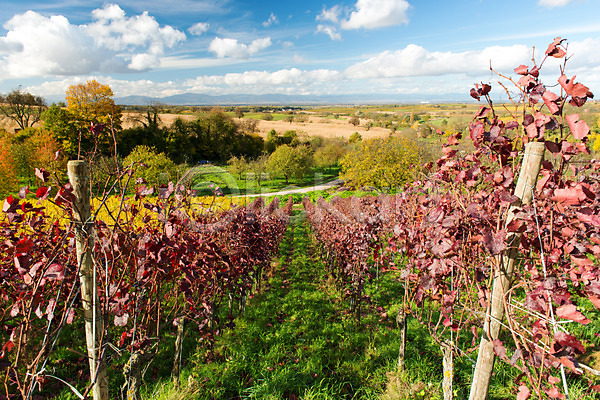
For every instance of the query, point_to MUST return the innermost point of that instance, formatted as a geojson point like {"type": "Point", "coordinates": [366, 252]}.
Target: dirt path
{"type": "Point", "coordinates": [324, 186]}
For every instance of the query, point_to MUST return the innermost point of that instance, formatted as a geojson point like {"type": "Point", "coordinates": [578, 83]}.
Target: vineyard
{"type": "Point", "coordinates": [491, 254]}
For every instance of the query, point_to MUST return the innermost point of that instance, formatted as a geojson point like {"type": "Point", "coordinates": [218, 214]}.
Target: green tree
{"type": "Point", "coordinates": [23, 108]}
{"type": "Point", "coordinates": [329, 155]}
{"type": "Point", "coordinates": [355, 138]}
{"type": "Point", "coordinates": [238, 166]}
{"type": "Point", "coordinates": [290, 162]}
{"type": "Point", "coordinates": [66, 131]}
{"type": "Point", "coordinates": [381, 162]}
{"type": "Point", "coordinates": [273, 140]}
{"type": "Point", "coordinates": [155, 168]}
{"type": "Point", "coordinates": [148, 131]}
{"type": "Point", "coordinates": [259, 167]}
{"type": "Point", "coordinates": [212, 136]}
{"type": "Point", "coordinates": [290, 137]}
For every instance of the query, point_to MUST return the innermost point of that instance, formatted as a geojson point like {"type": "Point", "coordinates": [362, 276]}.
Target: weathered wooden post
{"type": "Point", "coordinates": [84, 234]}
{"type": "Point", "coordinates": [401, 323]}
{"type": "Point", "coordinates": [448, 367]}
{"type": "Point", "coordinates": [532, 161]}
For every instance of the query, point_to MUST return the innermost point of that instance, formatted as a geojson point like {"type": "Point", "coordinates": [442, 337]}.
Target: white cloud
{"type": "Point", "coordinates": [287, 44]}
{"type": "Point", "coordinates": [272, 20]}
{"type": "Point", "coordinates": [198, 28]}
{"type": "Point", "coordinates": [415, 60]}
{"type": "Point", "coordinates": [554, 3]}
{"type": "Point", "coordinates": [298, 59]}
{"type": "Point", "coordinates": [291, 80]}
{"type": "Point", "coordinates": [113, 30]}
{"type": "Point", "coordinates": [332, 14]}
{"type": "Point", "coordinates": [412, 69]}
{"type": "Point", "coordinates": [227, 47]}
{"type": "Point", "coordinates": [36, 45]}
{"type": "Point", "coordinates": [329, 30]}
{"type": "Point", "coordinates": [371, 14]}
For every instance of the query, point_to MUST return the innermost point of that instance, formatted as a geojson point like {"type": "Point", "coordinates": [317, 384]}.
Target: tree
{"type": "Point", "coordinates": [273, 140]}
{"type": "Point", "coordinates": [213, 136]}
{"type": "Point", "coordinates": [329, 155]}
{"type": "Point", "coordinates": [93, 102]}
{"type": "Point", "coordinates": [237, 165]}
{"type": "Point", "coordinates": [65, 130]}
{"type": "Point", "coordinates": [36, 148]}
{"type": "Point", "coordinates": [8, 173]}
{"type": "Point", "coordinates": [381, 162]}
{"type": "Point", "coordinates": [248, 125]}
{"type": "Point", "coordinates": [155, 168]}
{"type": "Point", "coordinates": [22, 107]}
{"type": "Point", "coordinates": [259, 167]}
{"type": "Point", "coordinates": [290, 162]}
{"type": "Point", "coordinates": [239, 113]}
{"type": "Point", "coordinates": [354, 120]}
{"type": "Point", "coordinates": [355, 138]}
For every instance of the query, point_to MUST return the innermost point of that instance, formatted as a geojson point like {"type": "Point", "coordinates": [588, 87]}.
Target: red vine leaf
{"type": "Point", "coordinates": [121, 320]}
{"type": "Point", "coordinates": [555, 48]}
{"type": "Point", "coordinates": [551, 100]}
{"type": "Point", "coordinates": [42, 192]}
{"type": "Point", "coordinates": [522, 70]}
{"type": "Point", "coordinates": [570, 196]}
{"type": "Point", "coordinates": [569, 311]}
{"type": "Point", "coordinates": [499, 348]}
{"type": "Point", "coordinates": [495, 243]}
{"type": "Point", "coordinates": [595, 300]}
{"type": "Point", "coordinates": [555, 393]}
{"type": "Point", "coordinates": [524, 393]}
{"type": "Point", "coordinates": [55, 272]}
{"type": "Point", "coordinates": [42, 174]}
{"type": "Point", "coordinates": [579, 128]}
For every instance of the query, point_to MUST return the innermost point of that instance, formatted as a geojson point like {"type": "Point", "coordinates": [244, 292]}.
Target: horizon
{"type": "Point", "coordinates": [389, 48]}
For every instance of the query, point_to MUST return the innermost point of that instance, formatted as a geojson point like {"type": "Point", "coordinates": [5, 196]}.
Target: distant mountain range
{"type": "Point", "coordinates": [198, 99]}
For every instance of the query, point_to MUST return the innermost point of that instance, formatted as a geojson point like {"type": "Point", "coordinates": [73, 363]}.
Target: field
{"type": "Point", "coordinates": [333, 122]}
{"type": "Point", "coordinates": [346, 296]}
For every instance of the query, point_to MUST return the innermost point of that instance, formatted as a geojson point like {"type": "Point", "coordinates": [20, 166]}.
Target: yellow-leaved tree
{"type": "Point", "coordinates": [384, 163]}
{"type": "Point", "coordinates": [93, 102]}
{"type": "Point", "coordinates": [88, 104]}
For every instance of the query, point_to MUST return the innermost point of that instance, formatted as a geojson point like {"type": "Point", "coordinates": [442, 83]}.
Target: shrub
{"type": "Point", "coordinates": [155, 168]}
{"type": "Point", "coordinates": [381, 162]}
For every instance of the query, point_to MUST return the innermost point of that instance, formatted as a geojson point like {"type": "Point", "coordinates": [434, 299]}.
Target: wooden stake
{"type": "Point", "coordinates": [84, 235]}
{"type": "Point", "coordinates": [530, 169]}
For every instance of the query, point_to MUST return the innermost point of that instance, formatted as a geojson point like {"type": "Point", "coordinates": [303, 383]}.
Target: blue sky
{"type": "Point", "coordinates": [324, 47]}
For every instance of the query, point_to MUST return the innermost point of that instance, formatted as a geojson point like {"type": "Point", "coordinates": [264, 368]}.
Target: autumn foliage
{"type": "Point", "coordinates": [447, 233]}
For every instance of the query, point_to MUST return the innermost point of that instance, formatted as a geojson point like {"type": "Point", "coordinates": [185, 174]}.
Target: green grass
{"type": "Point", "coordinates": [232, 184]}
{"type": "Point", "coordinates": [259, 115]}
{"type": "Point", "coordinates": [297, 340]}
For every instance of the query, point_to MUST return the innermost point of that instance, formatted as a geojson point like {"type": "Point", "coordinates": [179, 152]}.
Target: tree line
{"type": "Point", "coordinates": [90, 125]}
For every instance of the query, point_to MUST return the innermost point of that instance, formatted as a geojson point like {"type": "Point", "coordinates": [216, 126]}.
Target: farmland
{"type": "Point", "coordinates": [464, 266]}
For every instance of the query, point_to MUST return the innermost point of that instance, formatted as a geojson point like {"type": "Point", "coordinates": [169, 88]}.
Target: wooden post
{"type": "Point", "coordinates": [532, 161]}
{"type": "Point", "coordinates": [178, 351]}
{"type": "Point", "coordinates": [84, 235]}
{"type": "Point", "coordinates": [401, 322]}
{"type": "Point", "coordinates": [448, 367]}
